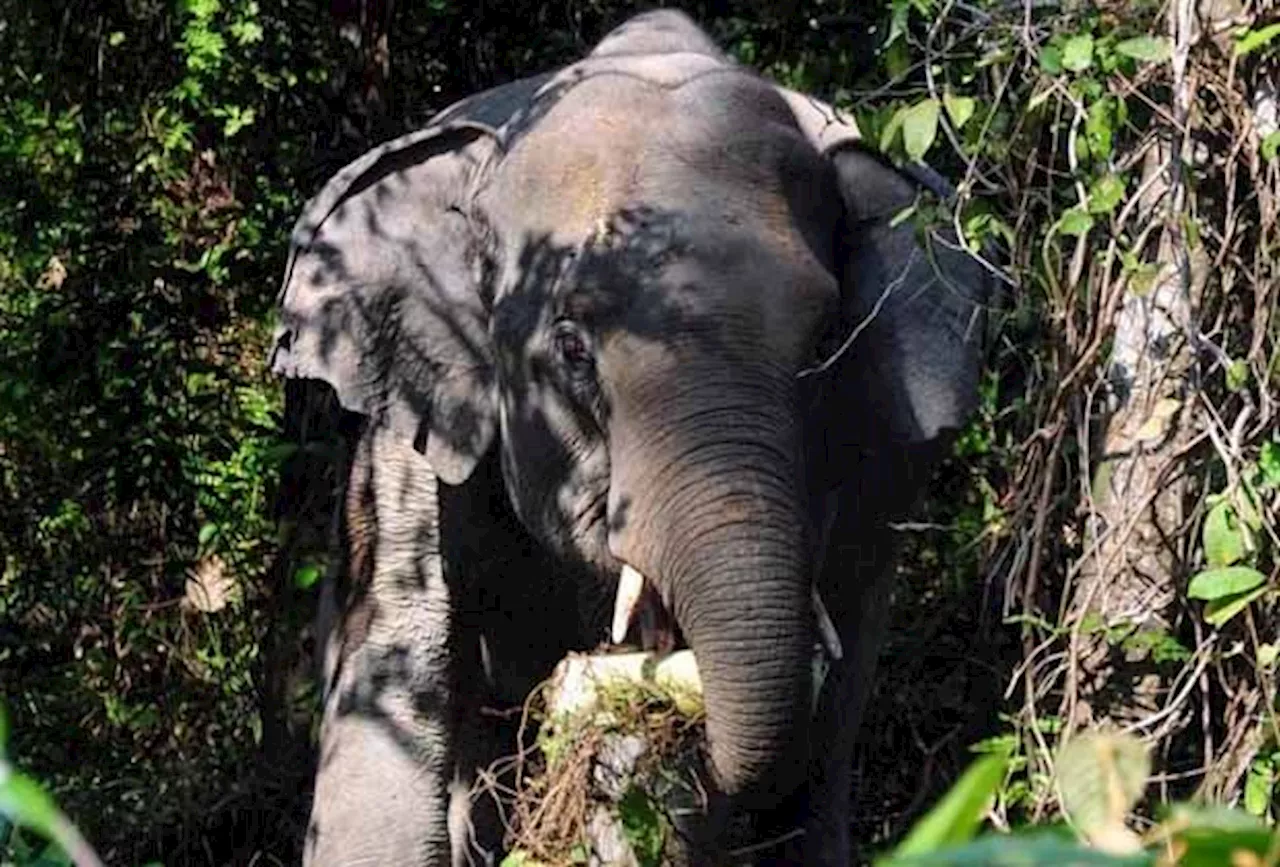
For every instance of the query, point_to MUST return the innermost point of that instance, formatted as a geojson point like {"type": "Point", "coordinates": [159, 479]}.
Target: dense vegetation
{"type": "Point", "coordinates": [1104, 554]}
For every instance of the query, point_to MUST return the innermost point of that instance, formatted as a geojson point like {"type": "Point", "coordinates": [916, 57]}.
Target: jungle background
{"type": "Point", "coordinates": [1099, 553]}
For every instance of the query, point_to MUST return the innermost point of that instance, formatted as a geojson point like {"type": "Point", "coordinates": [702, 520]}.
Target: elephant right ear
{"type": "Point", "coordinates": [382, 296]}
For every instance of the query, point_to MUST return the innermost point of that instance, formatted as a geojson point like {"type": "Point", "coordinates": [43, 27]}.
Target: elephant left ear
{"type": "Point", "coordinates": [913, 323]}
{"type": "Point", "coordinates": [920, 299]}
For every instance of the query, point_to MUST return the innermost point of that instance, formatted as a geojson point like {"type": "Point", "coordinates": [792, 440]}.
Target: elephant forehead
{"type": "Point", "coordinates": [581, 163]}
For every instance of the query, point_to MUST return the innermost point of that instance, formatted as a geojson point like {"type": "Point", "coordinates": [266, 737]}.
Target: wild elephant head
{"type": "Point", "coordinates": [626, 276]}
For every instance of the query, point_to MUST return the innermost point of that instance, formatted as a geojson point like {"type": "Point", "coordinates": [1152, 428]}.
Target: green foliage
{"type": "Point", "coordinates": [642, 825]}
{"type": "Point", "coordinates": [958, 815]}
{"type": "Point", "coordinates": [1105, 775]}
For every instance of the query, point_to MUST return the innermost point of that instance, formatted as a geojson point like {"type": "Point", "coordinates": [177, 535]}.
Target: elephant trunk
{"type": "Point", "coordinates": [718, 526]}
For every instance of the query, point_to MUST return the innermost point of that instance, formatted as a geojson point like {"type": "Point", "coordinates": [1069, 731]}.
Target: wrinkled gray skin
{"type": "Point", "coordinates": [574, 313]}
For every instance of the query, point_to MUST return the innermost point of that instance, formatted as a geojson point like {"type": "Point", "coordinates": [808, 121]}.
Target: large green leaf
{"type": "Point", "coordinates": [1219, 611]}
{"type": "Point", "coordinates": [920, 128]}
{"type": "Point", "coordinates": [1035, 849]}
{"type": "Point", "coordinates": [1223, 582]}
{"type": "Point", "coordinates": [1215, 836]}
{"type": "Point", "coordinates": [1252, 40]}
{"type": "Point", "coordinates": [957, 816]}
{"type": "Point", "coordinates": [1223, 538]}
{"type": "Point", "coordinates": [1077, 53]}
{"type": "Point", "coordinates": [1148, 48]}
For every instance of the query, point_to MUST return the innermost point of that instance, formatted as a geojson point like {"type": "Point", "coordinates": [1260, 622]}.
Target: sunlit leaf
{"type": "Point", "coordinates": [23, 800]}
{"type": "Point", "coordinates": [1075, 222]}
{"type": "Point", "coordinates": [1224, 542]}
{"type": "Point", "coordinates": [1148, 48]}
{"type": "Point", "coordinates": [1035, 849]}
{"type": "Point", "coordinates": [957, 816]}
{"type": "Point", "coordinates": [1077, 53]}
{"type": "Point", "coordinates": [1252, 40]}
{"type": "Point", "coordinates": [891, 129]}
{"type": "Point", "coordinates": [1220, 611]}
{"type": "Point", "coordinates": [1258, 786]}
{"type": "Point", "coordinates": [959, 108]}
{"type": "Point", "coordinates": [1270, 145]}
{"type": "Point", "coordinates": [920, 128]}
{"type": "Point", "coordinates": [1101, 776]}
{"type": "Point", "coordinates": [1227, 581]}
{"type": "Point", "coordinates": [1267, 654]}
{"type": "Point", "coordinates": [1105, 194]}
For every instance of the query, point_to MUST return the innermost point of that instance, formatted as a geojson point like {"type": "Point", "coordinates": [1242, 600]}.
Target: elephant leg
{"type": "Point", "coordinates": [386, 738]}
{"type": "Point", "coordinates": [862, 569]}
{"type": "Point", "coordinates": [856, 582]}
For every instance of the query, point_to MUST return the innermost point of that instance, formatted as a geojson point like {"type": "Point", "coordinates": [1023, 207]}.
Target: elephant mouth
{"type": "Point", "coordinates": [640, 615]}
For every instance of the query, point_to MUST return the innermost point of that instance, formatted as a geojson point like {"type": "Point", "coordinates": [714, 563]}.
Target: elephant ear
{"type": "Point", "coordinates": [914, 313]}
{"type": "Point", "coordinates": [382, 300]}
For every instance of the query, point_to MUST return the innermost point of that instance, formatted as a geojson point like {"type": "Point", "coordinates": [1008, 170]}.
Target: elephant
{"type": "Point", "coordinates": [636, 349]}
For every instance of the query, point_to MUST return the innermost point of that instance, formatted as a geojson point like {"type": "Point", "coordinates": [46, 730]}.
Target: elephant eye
{"type": "Point", "coordinates": [571, 346]}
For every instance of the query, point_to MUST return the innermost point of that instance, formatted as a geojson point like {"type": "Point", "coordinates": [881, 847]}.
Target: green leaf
{"type": "Point", "coordinates": [1258, 786]}
{"type": "Point", "coordinates": [207, 532]}
{"type": "Point", "coordinates": [1269, 463]}
{"type": "Point", "coordinates": [890, 131]}
{"type": "Point", "coordinates": [1223, 540]}
{"type": "Point", "coordinates": [1236, 375]}
{"type": "Point", "coordinates": [1270, 145]}
{"type": "Point", "coordinates": [957, 816]}
{"type": "Point", "coordinates": [1252, 40]}
{"type": "Point", "coordinates": [1105, 194]}
{"type": "Point", "coordinates": [1075, 222]}
{"type": "Point", "coordinates": [23, 800]}
{"type": "Point", "coordinates": [1099, 126]}
{"type": "Point", "coordinates": [1219, 611]}
{"type": "Point", "coordinates": [1021, 850]}
{"type": "Point", "coordinates": [1213, 836]}
{"type": "Point", "coordinates": [919, 128]}
{"type": "Point", "coordinates": [1149, 48]}
{"type": "Point", "coordinates": [1051, 59]}
{"type": "Point", "coordinates": [306, 576]}
{"type": "Point", "coordinates": [1077, 53]}
{"type": "Point", "coordinates": [1220, 583]}
{"type": "Point", "coordinates": [1101, 776]}
{"type": "Point", "coordinates": [642, 826]}
{"type": "Point", "coordinates": [959, 108]}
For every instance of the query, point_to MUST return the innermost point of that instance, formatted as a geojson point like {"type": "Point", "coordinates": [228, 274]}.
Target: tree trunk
{"type": "Point", "coordinates": [1131, 573]}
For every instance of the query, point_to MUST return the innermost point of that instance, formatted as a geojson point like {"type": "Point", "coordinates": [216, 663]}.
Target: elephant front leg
{"type": "Point", "coordinates": [386, 740]}
{"type": "Point", "coordinates": [856, 580]}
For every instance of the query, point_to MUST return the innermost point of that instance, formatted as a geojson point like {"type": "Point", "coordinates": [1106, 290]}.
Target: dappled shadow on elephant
{"type": "Point", "coordinates": [644, 338]}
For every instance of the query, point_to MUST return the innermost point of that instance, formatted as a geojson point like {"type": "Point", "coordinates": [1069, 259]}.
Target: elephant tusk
{"type": "Point", "coordinates": [826, 629]}
{"type": "Point", "coordinates": [630, 587]}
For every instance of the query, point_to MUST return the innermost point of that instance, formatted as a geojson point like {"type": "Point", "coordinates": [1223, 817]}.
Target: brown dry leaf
{"type": "Point", "coordinates": [210, 586]}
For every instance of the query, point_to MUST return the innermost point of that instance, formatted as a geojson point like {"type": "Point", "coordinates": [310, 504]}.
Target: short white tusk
{"type": "Point", "coordinates": [826, 629]}
{"type": "Point", "coordinates": [630, 586]}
